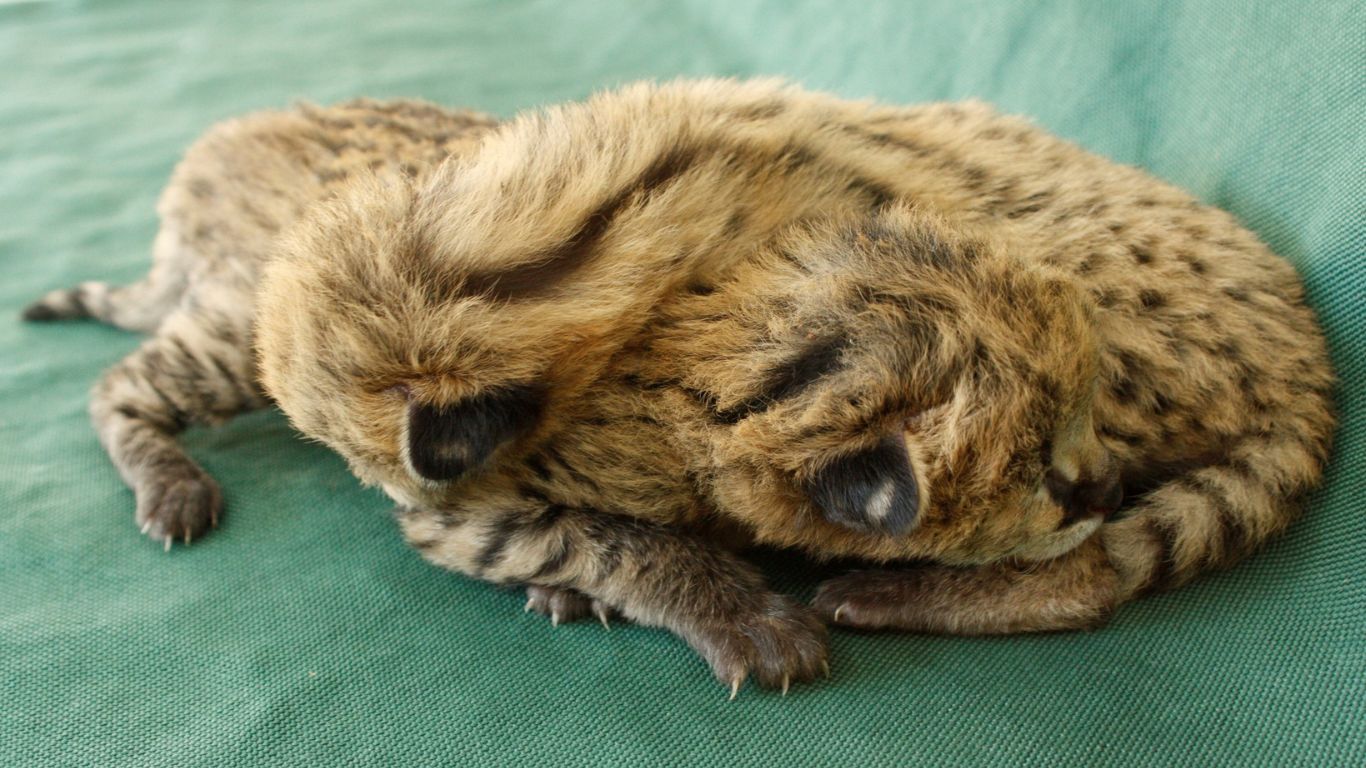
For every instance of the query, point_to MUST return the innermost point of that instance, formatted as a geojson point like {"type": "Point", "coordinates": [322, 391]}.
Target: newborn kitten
{"type": "Point", "coordinates": [882, 332]}
{"type": "Point", "coordinates": [237, 186]}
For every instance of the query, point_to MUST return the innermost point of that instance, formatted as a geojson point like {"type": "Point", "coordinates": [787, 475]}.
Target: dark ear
{"type": "Point", "coordinates": [872, 490]}
{"type": "Point", "coordinates": [447, 441]}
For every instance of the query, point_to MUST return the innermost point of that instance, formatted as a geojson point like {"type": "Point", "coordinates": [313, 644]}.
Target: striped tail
{"type": "Point", "coordinates": [1213, 516]}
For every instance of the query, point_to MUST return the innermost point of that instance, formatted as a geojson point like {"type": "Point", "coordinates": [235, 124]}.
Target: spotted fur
{"type": "Point", "coordinates": [890, 333]}
{"type": "Point", "coordinates": [237, 186]}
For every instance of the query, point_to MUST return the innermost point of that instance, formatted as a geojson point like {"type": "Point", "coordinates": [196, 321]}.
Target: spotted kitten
{"type": "Point", "coordinates": [928, 333]}
{"type": "Point", "coordinates": [235, 189]}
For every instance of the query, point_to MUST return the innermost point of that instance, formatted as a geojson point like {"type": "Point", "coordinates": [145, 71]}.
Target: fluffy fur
{"type": "Point", "coordinates": [625, 329]}
{"type": "Point", "coordinates": [235, 189]}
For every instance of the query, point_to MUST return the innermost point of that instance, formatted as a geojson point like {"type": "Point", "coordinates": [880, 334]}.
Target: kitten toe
{"type": "Point", "coordinates": [559, 605]}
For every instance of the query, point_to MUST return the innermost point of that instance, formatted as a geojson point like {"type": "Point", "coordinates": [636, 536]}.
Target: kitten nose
{"type": "Point", "coordinates": [1087, 496]}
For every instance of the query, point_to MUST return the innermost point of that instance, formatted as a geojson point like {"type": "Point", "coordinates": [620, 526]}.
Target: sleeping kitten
{"type": "Point", "coordinates": [237, 186]}
{"type": "Point", "coordinates": [882, 332]}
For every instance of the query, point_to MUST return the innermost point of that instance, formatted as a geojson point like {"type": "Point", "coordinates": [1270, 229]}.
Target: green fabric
{"type": "Point", "coordinates": [304, 632]}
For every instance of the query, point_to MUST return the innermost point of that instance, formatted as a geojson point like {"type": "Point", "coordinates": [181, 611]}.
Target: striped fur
{"type": "Point", "coordinates": [734, 301]}
{"type": "Point", "coordinates": [241, 183]}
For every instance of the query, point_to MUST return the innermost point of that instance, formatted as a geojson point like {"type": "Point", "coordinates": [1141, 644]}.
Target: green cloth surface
{"type": "Point", "coordinates": [303, 632]}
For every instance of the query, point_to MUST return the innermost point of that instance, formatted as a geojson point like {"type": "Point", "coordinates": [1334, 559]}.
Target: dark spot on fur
{"type": "Point", "coordinates": [1195, 265]}
{"type": "Point", "coordinates": [735, 224]}
{"type": "Point", "coordinates": [878, 195]}
{"type": "Point", "coordinates": [1089, 264]}
{"type": "Point", "coordinates": [973, 175]}
{"type": "Point", "coordinates": [1142, 255]}
{"type": "Point", "coordinates": [1106, 298]}
{"type": "Point", "coordinates": [794, 157]}
{"type": "Point", "coordinates": [1030, 205]}
{"type": "Point", "coordinates": [1151, 299]}
{"type": "Point", "coordinates": [1162, 404]}
{"type": "Point", "coordinates": [536, 463]}
{"type": "Point", "coordinates": [1123, 390]}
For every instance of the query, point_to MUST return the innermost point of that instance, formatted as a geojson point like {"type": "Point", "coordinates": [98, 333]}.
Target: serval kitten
{"type": "Point", "coordinates": [624, 327]}
{"type": "Point", "coordinates": [235, 189]}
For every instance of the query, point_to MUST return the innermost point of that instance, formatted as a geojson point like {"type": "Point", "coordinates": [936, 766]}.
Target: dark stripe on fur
{"type": "Point", "coordinates": [554, 563]}
{"type": "Point", "coordinates": [1164, 565]}
{"type": "Point", "coordinates": [546, 272]}
{"type": "Point", "coordinates": [816, 361]}
{"type": "Point", "coordinates": [1232, 536]}
{"type": "Point", "coordinates": [498, 539]}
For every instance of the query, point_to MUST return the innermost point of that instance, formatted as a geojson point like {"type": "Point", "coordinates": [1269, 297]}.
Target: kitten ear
{"type": "Point", "coordinates": [446, 441]}
{"type": "Point", "coordinates": [873, 490]}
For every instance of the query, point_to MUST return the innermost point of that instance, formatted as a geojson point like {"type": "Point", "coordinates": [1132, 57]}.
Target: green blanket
{"type": "Point", "coordinates": [303, 632]}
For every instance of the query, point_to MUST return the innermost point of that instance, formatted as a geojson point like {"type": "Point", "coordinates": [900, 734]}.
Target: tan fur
{"type": "Point", "coordinates": [711, 295]}
{"type": "Point", "coordinates": [237, 186]}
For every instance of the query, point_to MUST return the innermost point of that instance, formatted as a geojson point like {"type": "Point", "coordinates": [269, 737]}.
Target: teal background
{"type": "Point", "coordinates": [304, 633]}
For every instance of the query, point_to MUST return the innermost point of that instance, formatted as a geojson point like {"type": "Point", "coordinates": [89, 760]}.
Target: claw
{"type": "Point", "coordinates": [825, 667]}
{"type": "Point", "coordinates": [836, 617]}
{"type": "Point", "coordinates": [530, 602]}
{"type": "Point", "coordinates": [147, 526]}
{"type": "Point", "coordinates": [554, 618]}
{"type": "Point", "coordinates": [187, 537]}
{"type": "Point", "coordinates": [786, 682]}
{"type": "Point", "coordinates": [168, 544]}
{"type": "Point", "coordinates": [602, 616]}
{"type": "Point", "coordinates": [735, 686]}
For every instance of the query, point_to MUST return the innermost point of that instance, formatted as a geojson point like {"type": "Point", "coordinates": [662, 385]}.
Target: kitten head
{"type": "Point", "coordinates": [371, 338]}
{"type": "Point", "coordinates": [958, 423]}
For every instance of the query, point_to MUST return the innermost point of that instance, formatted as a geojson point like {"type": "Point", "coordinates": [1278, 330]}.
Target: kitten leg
{"type": "Point", "coordinates": [1076, 591]}
{"type": "Point", "coordinates": [139, 306]}
{"type": "Point", "coordinates": [653, 575]}
{"type": "Point", "coordinates": [197, 369]}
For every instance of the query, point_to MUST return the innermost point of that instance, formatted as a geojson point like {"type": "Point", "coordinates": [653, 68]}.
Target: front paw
{"type": "Point", "coordinates": [562, 605]}
{"type": "Point", "coordinates": [178, 503]}
{"type": "Point", "coordinates": [779, 643]}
